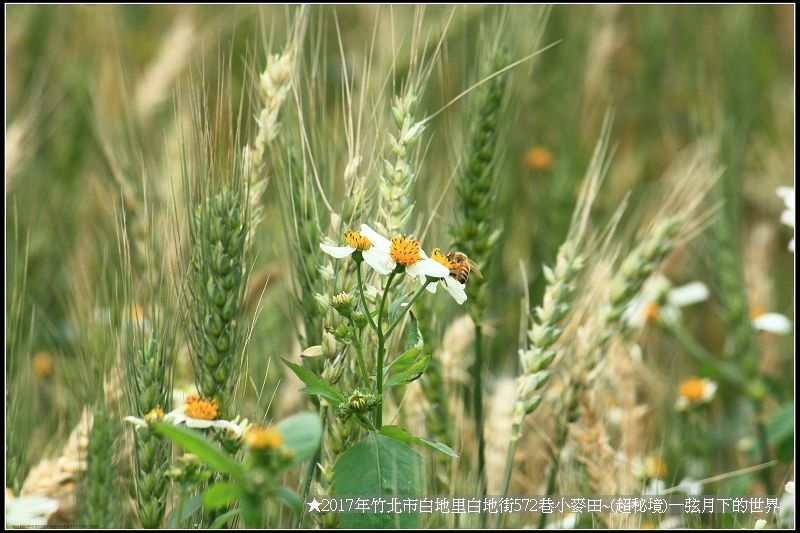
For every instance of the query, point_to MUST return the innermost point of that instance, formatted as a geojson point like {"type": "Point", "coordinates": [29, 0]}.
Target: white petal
{"type": "Point", "coordinates": [456, 290]}
{"type": "Point", "coordinates": [787, 194]}
{"type": "Point", "coordinates": [431, 288]}
{"type": "Point", "coordinates": [336, 251]}
{"type": "Point", "coordinates": [774, 323]}
{"type": "Point", "coordinates": [380, 260]}
{"type": "Point", "coordinates": [199, 423]}
{"type": "Point", "coordinates": [709, 389]}
{"type": "Point", "coordinates": [427, 267]}
{"type": "Point", "coordinates": [634, 313]}
{"type": "Point", "coordinates": [787, 217]}
{"type": "Point", "coordinates": [791, 245]}
{"type": "Point", "coordinates": [375, 238]}
{"type": "Point", "coordinates": [229, 426]}
{"type": "Point", "coordinates": [138, 422]}
{"type": "Point", "coordinates": [688, 294]}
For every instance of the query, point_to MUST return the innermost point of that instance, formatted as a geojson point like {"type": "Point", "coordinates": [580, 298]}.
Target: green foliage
{"type": "Point", "coordinates": [379, 466]}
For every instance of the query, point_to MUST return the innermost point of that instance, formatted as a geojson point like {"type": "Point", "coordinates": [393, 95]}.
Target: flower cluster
{"type": "Point", "coordinates": [400, 253]}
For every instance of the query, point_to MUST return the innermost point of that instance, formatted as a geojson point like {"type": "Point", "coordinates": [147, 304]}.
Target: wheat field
{"type": "Point", "coordinates": [258, 257]}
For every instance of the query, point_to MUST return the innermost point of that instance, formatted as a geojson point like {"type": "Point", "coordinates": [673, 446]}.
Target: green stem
{"type": "Point", "coordinates": [381, 350]}
{"type": "Point", "coordinates": [563, 429]}
{"type": "Point", "coordinates": [477, 406]}
{"type": "Point", "coordinates": [310, 471]}
{"type": "Point", "coordinates": [407, 307]}
{"type": "Point", "coordinates": [362, 367]}
{"type": "Point", "coordinates": [363, 299]}
{"type": "Point", "coordinates": [723, 369]}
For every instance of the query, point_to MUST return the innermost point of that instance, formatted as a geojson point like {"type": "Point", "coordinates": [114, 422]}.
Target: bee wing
{"type": "Point", "coordinates": [474, 268]}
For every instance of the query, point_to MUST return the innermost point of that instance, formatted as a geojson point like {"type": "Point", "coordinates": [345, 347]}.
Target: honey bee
{"type": "Point", "coordinates": [461, 266]}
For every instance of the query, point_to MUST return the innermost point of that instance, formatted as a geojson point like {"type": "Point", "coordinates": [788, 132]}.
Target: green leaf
{"type": "Point", "coordinates": [196, 443]}
{"type": "Point", "coordinates": [291, 499]}
{"type": "Point", "coordinates": [781, 425]}
{"type": "Point", "coordinates": [187, 509]}
{"type": "Point", "coordinates": [316, 385]}
{"type": "Point", "coordinates": [413, 372]}
{"type": "Point", "coordinates": [220, 494]}
{"type": "Point", "coordinates": [379, 466]}
{"type": "Point", "coordinates": [402, 362]}
{"type": "Point", "coordinates": [301, 433]}
{"type": "Point", "coordinates": [223, 519]}
{"type": "Point", "coordinates": [402, 434]}
{"type": "Point", "coordinates": [414, 339]}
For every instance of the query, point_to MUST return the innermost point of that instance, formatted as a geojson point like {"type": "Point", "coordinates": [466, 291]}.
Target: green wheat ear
{"type": "Point", "coordinates": [476, 234]}
{"type": "Point", "coordinates": [99, 506]}
{"type": "Point", "coordinates": [217, 280]}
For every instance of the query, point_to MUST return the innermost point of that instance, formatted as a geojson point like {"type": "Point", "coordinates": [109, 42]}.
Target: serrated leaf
{"type": "Point", "coordinates": [220, 494]}
{"type": "Point", "coordinates": [411, 373]}
{"type": "Point", "coordinates": [196, 443]}
{"type": "Point", "coordinates": [316, 385]}
{"type": "Point", "coordinates": [301, 433]}
{"type": "Point", "coordinates": [402, 434]}
{"type": "Point", "coordinates": [379, 466]}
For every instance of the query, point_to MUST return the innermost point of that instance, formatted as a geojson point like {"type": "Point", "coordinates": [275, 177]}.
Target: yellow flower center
{"type": "Point", "coordinates": [437, 255]}
{"type": "Point", "coordinates": [539, 158]}
{"type": "Point", "coordinates": [404, 250]}
{"type": "Point", "coordinates": [154, 414]}
{"type": "Point", "coordinates": [651, 311]}
{"type": "Point", "coordinates": [756, 312]}
{"type": "Point", "coordinates": [692, 389]}
{"type": "Point", "coordinates": [137, 313]}
{"type": "Point", "coordinates": [43, 364]}
{"type": "Point", "coordinates": [261, 438]}
{"type": "Point", "coordinates": [200, 408]}
{"type": "Point", "coordinates": [655, 467]}
{"type": "Point", "coordinates": [356, 240]}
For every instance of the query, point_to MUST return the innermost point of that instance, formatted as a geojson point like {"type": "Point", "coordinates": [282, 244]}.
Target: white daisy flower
{"type": "Point", "coordinates": [695, 391]}
{"type": "Point", "coordinates": [201, 413]}
{"type": "Point", "coordinates": [374, 251]}
{"type": "Point", "coordinates": [454, 287]}
{"type": "Point", "coordinates": [28, 511]}
{"type": "Point", "coordinates": [405, 252]}
{"type": "Point", "coordinates": [787, 217]}
{"type": "Point", "coordinates": [773, 322]}
{"type": "Point", "coordinates": [659, 301]}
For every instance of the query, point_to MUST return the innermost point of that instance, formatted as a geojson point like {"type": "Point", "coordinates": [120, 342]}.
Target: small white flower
{"type": "Point", "coordinates": [760, 524]}
{"type": "Point", "coordinates": [773, 322]}
{"type": "Point", "coordinates": [787, 217]}
{"type": "Point", "coordinates": [373, 247]}
{"type": "Point", "coordinates": [660, 301]}
{"type": "Point", "coordinates": [28, 511]}
{"type": "Point", "coordinates": [695, 391]}
{"type": "Point", "coordinates": [690, 487]}
{"type": "Point", "coordinates": [154, 415]}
